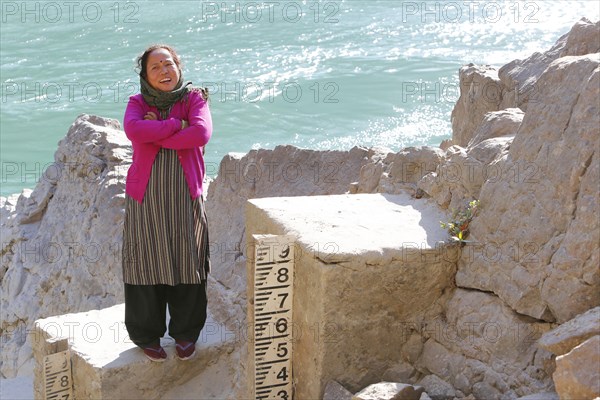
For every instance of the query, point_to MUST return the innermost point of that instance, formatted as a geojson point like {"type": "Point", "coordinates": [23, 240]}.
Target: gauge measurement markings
{"type": "Point", "coordinates": [273, 298]}
{"type": "Point", "coordinates": [266, 368]}
{"type": "Point", "coordinates": [57, 376]}
{"type": "Point", "coordinates": [269, 314]}
{"type": "Point", "coordinates": [275, 273]}
{"type": "Point", "coordinates": [272, 309]}
{"type": "Point", "coordinates": [271, 346]}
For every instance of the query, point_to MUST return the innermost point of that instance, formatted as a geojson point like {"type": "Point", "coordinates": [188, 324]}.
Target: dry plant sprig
{"type": "Point", "coordinates": [458, 226]}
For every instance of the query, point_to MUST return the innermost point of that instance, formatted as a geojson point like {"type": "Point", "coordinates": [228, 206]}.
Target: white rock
{"type": "Point", "coordinates": [389, 391]}
{"type": "Point", "coordinates": [405, 168]}
{"type": "Point", "coordinates": [62, 240]}
{"type": "Point", "coordinates": [399, 172]}
{"type": "Point", "coordinates": [460, 175]}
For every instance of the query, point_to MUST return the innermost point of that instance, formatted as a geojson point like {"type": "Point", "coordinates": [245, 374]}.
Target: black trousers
{"type": "Point", "coordinates": [145, 312]}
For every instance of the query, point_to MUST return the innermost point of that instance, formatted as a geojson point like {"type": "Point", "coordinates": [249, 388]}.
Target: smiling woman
{"type": "Point", "coordinates": [165, 236]}
{"type": "Point", "coordinates": [163, 69]}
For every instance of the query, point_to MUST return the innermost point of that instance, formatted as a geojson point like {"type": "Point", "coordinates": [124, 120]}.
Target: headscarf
{"type": "Point", "coordinates": [164, 100]}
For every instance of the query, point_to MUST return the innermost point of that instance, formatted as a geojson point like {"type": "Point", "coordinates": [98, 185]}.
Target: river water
{"type": "Point", "coordinates": [319, 75]}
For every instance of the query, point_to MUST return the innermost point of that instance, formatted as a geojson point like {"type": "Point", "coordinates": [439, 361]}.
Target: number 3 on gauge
{"type": "Point", "coordinates": [283, 394]}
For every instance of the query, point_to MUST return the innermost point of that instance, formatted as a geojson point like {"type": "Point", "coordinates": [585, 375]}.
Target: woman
{"type": "Point", "coordinates": [165, 237]}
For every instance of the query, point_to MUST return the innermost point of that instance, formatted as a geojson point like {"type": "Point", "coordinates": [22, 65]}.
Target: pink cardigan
{"type": "Point", "coordinates": [148, 136]}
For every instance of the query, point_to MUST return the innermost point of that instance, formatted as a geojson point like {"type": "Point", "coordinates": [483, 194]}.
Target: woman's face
{"type": "Point", "coordinates": [161, 71]}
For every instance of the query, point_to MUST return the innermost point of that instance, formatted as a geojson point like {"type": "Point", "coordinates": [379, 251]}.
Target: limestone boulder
{"type": "Point", "coordinates": [484, 89]}
{"type": "Point", "coordinates": [437, 359]}
{"type": "Point", "coordinates": [61, 241]}
{"type": "Point", "coordinates": [335, 391]}
{"type": "Point", "coordinates": [470, 378]}
{"type": "Point", "coordinates": [480, 93]}
{"type": "Point", "coordinates": [371, 173]}
{"type": "Point", "coordinates": [583, 38]}
{"type": "Point", "coordinates": [9, 232]}
{"type": "Point", "coordinates": [399, 172]}
{"type": "Point", "coordinates": [437, 389]}
{"type": "Point", "coordinates": [405, 168]}
{"type": "Point", "coordinates": [577, 373]}
{"type": "Point", "coordinates": [507, 339]}
{"type": "Point", "coordinates": [401, 371]}
{"type": "Point", "coordinates": [572, 333]}
{"type": "Point", "coordinates": [459, 177]}
{"type": "Point", "coordinates": [537, 228]}
{"type": "Point", "coordinates": [481, 347]}
{"type": "Point", "coordinates": [519, 77]}
{"type": "Point", "coordinates": [495, 124]}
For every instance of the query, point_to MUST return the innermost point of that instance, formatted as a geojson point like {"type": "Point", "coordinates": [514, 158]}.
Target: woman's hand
{"type": "Point", "coordinates": [150, 115]}
{"type": "Point", "coordinates": [198, 127]}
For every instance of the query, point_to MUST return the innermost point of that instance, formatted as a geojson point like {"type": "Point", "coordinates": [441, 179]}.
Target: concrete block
{"type": "Point", "coordinates": [364, 265]}
{"type": "Point", "coordinates": [107, 365]}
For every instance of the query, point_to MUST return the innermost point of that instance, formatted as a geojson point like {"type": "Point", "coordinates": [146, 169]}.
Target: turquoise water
{"type": "Point", "coordinates": [320, 75]}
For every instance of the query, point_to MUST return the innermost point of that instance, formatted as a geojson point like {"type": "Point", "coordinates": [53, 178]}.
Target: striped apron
{"type": "Point", "coordinates": [165, 239]}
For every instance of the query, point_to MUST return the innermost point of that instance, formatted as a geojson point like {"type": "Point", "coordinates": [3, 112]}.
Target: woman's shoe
{"type": "Point", "coordinates": [156, 353]}
{"type": "Point", "coordinates": [185, 349]}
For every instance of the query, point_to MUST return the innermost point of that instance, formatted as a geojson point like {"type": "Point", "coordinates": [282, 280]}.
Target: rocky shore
{"type": "Point", "coordinates": [520, 315]}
